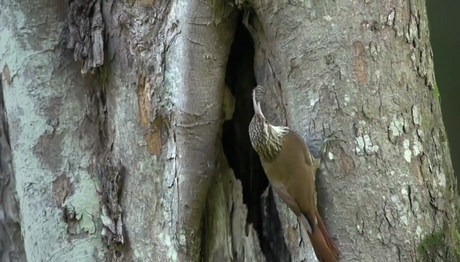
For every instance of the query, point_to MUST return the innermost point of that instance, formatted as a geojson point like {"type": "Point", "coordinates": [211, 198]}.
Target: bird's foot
{"type": "Point", "coordinates": [259, 92]}
{"type": "Point", "coordinates": [327, 141]}
{"type": "Point", "coordinates": [330, 139]}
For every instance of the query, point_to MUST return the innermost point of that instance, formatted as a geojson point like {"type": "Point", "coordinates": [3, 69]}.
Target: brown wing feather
{"type": "Point", "coordinates": [330, 243]}
{"type": "Point", "coordinates": [304, 148]}
{"type": "Point", "coordinates": [292, 177]}
{"type": "Point", "coordinates": [292, 204]}
{"type": "Point", "coordinates": [302, 195]}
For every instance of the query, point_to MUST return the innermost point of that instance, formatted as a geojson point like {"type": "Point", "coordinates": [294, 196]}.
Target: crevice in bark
{"type": "Point", "coordinates": [86, 28]}
{"type": "Point", "coordinates": [11, 242]}
{"type": "Point", "coordinates": [242, 158]}
{"type": "Point", "coordinates": [109, 172]}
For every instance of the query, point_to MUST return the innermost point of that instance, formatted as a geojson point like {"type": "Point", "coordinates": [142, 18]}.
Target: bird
{"type": "Point", "coordinates": [291, 169]}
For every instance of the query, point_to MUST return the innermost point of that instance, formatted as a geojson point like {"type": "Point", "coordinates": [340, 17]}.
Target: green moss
{"type": "Point", "coordinates": [221, 9]}
{"type": "Point", "coordinates": [457, 243]}
{"type": "Point", "coordinates": [431, 246]}
{"type": "Point", "coordinates": [103, 73]}
{"type": "Point", "coordinates": [443, 245]}
{"type": "Point", "coordinates": [436, 92]}
{"type": "Point", "coordinates": [455, 232]}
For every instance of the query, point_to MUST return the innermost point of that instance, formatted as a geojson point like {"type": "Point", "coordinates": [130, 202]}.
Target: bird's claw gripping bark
{"type": "Point", "coordinates": [328, 140]}
{"type": "Point", "coordinates": [259, 92]}
{"type": "Point", "coordinates": [324, 145]}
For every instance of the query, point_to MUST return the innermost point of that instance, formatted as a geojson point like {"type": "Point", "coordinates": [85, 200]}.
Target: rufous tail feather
{"type": "Point", "coordinates": [325, 249]}
{"type": "Point", "coordinates": [329, 241]}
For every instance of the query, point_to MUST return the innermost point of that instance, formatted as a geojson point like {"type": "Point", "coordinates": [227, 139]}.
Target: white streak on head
{"type": "Point", "coordinates": [279, 131]}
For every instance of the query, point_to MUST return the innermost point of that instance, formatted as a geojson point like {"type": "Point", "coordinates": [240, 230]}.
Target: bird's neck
{"type": "Point", "coordinates": [274, 142]}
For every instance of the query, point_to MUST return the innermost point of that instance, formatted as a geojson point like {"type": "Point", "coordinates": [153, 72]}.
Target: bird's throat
{"type": "Point", "coordinates": [274, 139]}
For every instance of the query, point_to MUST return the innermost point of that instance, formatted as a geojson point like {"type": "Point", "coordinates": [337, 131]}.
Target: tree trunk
{"type": "Point", "coordinates": [140, 151]}
{"type": "Point", "coordinates": [366, 69]}
{"type": "Point", "coordinates": [53, 137]}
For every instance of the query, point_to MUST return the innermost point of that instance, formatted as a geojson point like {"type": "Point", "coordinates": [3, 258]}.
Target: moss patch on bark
{"type": "Point", "coordinates": [443, 245]}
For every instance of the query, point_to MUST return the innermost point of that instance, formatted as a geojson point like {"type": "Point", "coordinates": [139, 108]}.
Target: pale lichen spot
{"type": "Point", "coordinates": [413, 57]}
{"type": "Point", "coordinates": [328, 18]}
{"type": "Point", "coordinates": [404, 191]}
{"type": "Point", "coordinates": [182, 240]}
{"type": "Point", "coordinates": [136, 253]}
{"type": "Point", "coordinates": [330, 156]}
{"type": "Point", "coordinates": [395, 199]}
{"type": "Point", "coordinates": [377, 74]}
{"type": "Point", "coordinates": [391, 18]}
{"type": "Point", "coordinates": [419, 231]}
{"type": "Point", "coordinates": [413, 28]}
{"type": "Point", "coordinates": [404, 219]}
{"type": "Point", "coordinates": [396, 127]}
{"type": "Point", "coordinates": [374, 50]}
{"type": "Point", "coordinates": [416, 116]}
{"type": "Point", "coordinates": [359, 145]}
{"type": "Point", "coordinates": [167, 242]}
{"type": "Point", "coordinates": [314, 99]}
{"type": "Point", "coordinates": [420, 134]}
{"type": "Point", "coordinates": [442, 179]}
{"type": "Point", "coordinates": [417, 148]}
{"type": "Point", "coordinates": [379, 236]}
{"type": "Point", "coordinates": [370, 147]}
{"type": "Point", "coordinates": [407, 151]}
{"type": "Point", "coordinates": [415, 208]}
{"type": "Point", "coordinates": [347, 98]}
{"type": "Point", "coordinates": [400, 207]}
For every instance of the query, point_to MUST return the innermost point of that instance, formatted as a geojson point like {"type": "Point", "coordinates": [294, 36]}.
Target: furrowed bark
{"type": "Point", "coordinates": [126, 163]}
{"type": "Point", "coordinates": [366, 69]}
{"type": "Point", "coordinates": [11, 243]}
{"type": "Point", "coordinates": [228, 236]}
{"type": "Point", "coordinates": [52, 138]}
{"type": "Point", "coordinates": [167, 137]}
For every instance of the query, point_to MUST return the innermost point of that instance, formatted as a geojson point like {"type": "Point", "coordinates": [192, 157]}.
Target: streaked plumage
{"type": "Point", "coordinates": [289, 167]}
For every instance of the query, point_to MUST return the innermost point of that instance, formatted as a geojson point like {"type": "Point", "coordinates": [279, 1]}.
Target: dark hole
{"type": "Point", "coordinates": [241, 156]}
{"type": "Point", "coordinates": [237, 147]}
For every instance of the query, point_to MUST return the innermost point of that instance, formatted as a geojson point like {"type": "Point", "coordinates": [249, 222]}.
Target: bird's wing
{"type": "Point", "coordinates": [290, 202]}
{"type": "Point", "coordinates": [298, 140]}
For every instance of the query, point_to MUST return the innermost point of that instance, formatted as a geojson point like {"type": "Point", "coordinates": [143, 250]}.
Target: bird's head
{"type": "Point", "coordinates": [266, 139]}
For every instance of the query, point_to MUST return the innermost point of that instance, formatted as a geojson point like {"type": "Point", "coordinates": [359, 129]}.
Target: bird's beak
{"type": "Point", "coordinates": [260, 110]}
{"type": "Point", "coordinates": [256, 104]}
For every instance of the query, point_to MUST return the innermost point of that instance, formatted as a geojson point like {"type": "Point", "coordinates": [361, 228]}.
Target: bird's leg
{"type": "Point", "coordinates": [323, 149]}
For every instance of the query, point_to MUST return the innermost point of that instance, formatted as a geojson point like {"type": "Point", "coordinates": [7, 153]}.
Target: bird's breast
{"type": "Point", "coordinates": [276, 173]}
{"type": "Point", "coordinates": [290, 165]}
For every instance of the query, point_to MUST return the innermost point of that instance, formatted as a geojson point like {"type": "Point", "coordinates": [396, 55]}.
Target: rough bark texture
{"type": "Point", "coordinates": [166, 114]}
{"type": "Point", "coordinates": [364, 68]}
{"type": "Point", "coordinates": [11, 244]}
{"type": "Point", "coordinates": [127, 164]}
{"type": "Point", "coordinates": [52, 136]}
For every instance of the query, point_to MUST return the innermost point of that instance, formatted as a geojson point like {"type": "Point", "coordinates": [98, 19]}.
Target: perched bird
{"type": "Point", "coordinates": [291, 169]}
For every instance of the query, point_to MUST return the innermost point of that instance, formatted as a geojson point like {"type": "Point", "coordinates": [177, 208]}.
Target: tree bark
{"type": "Point", "coordinates": [365, 68]}
{"type": "Point", "coordinates": [139, 151]}
{"type": "Point", "coordinates": [52, 138]}
{"type": "Point", "coordinates": [166, 116]}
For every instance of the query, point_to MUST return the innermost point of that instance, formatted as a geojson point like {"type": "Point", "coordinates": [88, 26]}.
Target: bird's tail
{"type": "Point", "coordinates": [325, 249]}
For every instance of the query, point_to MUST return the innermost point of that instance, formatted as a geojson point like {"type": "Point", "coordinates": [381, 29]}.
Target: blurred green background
{"type": "Point", "coordinates": [445, 40]}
